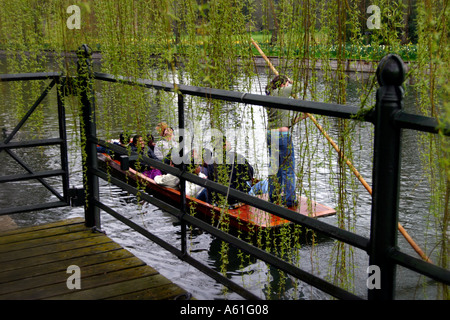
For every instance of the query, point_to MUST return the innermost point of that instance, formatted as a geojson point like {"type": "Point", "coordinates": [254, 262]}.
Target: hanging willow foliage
{"type": "Point", "coordinates": [208, 43]}
{"type": "Point", "coordinates": [433, 90]}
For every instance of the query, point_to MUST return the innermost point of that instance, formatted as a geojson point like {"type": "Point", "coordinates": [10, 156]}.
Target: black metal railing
{"type": "Point", "coordinates": [388, 118]}
{"type": "Point", "coordinates": [8, 146]}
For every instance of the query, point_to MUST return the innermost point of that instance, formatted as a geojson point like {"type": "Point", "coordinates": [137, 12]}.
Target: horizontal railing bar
{"type": "Point", "coordinates": [205, 269]}
{"type": "Point", "coordinates": [29, 76]}
{"type": "Point", "coordinates": [139, 229]}
{"type": "Point", "coordinates": [309, 222]}
{"type": "Point", "coordinates": [334, 110]}
{"type": "Point", "coordinates": [428, 269]}
{"type": "Point", "coordinates": [405, 120]}
{"type": "Point", "coordinates": [305, 221]}
{"type": "Point", "coordinates": [177, 252]}
{"type": "Point", "coordinates": [29, 112]}
{"type": "Point", "coordinates": [144, 196]}
{"type": "Point", "coordinates": [28, 176]}
{"type": "Point", "coordinates": [29, 170]}
{"type": "Point", "coordinates": [420, 123]}
{"type": "Point", "coordinates": [238, 243]}
{"type": "Point", "coordinates": [31, 143]}
{"type": "Point", "coordinates": [273, 260]}
{"type": "Point", "coordinates": [33, 207]}
{"type": "Point", "coordinates": [220, 278]}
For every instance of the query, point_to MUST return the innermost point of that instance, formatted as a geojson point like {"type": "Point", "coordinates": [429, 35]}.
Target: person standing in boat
{"type": "Point", "coordinates": [281, 149]}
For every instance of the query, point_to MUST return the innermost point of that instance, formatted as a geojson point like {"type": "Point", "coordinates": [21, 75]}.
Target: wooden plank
{"type": "Point", "coordinates": [55, 247]}
{"type": "Point", "coordinates": [64, 255]}
{"type": "Point", "coordinates": [34, 262]}
{"type": "Point", "coordinates": [43, 226]}
{"type": "Point", "coordinates": [41, 233]}
{"type": "Point", "coordinates": [165, 292]}
{"type": "Point", "coordinates": [61, 265]}
{"type": "Point", "coordinates": [59, 238]}
{"type": "Point", "coordinates": [61, 276]}
{"type": "Point", "coordinates": [111, 291]}
{"type": "Point", "coordinates": [60, 289]}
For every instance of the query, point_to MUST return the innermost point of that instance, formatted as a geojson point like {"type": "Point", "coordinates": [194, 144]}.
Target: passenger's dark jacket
{"type": "Point", "coordinates": [240, 169]}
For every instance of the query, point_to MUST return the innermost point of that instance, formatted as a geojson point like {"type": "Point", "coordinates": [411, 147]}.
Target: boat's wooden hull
{"type": "Point", "coordinates": [244, 218]}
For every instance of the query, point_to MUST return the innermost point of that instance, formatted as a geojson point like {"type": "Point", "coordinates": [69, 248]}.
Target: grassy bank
{"type": "Point", "coordinates": [349, 51]}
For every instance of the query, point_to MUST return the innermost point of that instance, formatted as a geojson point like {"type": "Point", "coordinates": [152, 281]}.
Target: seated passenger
{"type": "Point", "coordinates": [198, 162]}
{"type": "Point", "coordinates": [151, 147]}
{"type": "Point", "coordinates": [137, 144]}
{"type": "Point", "coordinates": [166, 143]}
{"type": "Point", "coordinates": [121, 143]}
{"type": "Point", "coordinates": [151, 172]}
{"type": "Point", "coordinates": [206, 167]}
{"type": "Point", "coordinates": [235, 172]}
{"type": "Point", "coordinates": [167, 179]}
{"type": "Point", "coordinates": [195, 163]}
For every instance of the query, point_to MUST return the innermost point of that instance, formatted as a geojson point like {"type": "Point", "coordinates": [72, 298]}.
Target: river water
{"type": "Point", "coordinates": [255, 275]}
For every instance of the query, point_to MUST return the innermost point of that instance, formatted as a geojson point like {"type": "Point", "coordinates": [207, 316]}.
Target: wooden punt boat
{"type": "Point", "coordinates": [243, 218]}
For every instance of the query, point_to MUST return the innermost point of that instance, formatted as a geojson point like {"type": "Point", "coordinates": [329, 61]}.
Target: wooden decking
{"type": "Point", "coordinates": [34, 262]}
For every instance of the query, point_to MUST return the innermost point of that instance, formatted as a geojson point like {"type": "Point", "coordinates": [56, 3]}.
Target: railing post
{"type": "Point", "coordinates": [182, 180]}
{"type": "Point", "coordinates": [88, 131]}
{"type": "Point", "coordinates": [63, 136]}
{"type": "Point", "coordinates": [386, 176]}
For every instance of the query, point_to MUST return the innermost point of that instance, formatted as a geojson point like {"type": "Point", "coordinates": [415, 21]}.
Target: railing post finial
{"type": "Point", "coordinates": [84, 64]}
{"type": "Point", "coordinates": [391, 71]}
{"type": "Point", "coordinates": [386, 174]}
